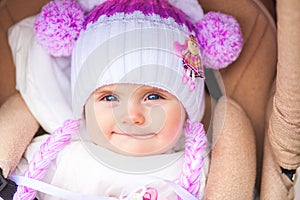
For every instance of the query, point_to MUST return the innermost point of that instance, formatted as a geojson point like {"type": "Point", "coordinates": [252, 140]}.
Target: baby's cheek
{"type": "Point", "coordinates": [157, 118]}
{"type": "Point", "coordinates": [174, 132]}
{"type": "Point", "coordinates": [175, 124]}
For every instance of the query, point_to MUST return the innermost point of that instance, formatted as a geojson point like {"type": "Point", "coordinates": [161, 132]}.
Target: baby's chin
{"type": "Point", "coordinates": [138, 150]}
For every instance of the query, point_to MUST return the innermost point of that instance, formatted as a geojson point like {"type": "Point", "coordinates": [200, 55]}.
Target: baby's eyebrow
{"type": "Point", "coordinates": [100, 91]}
{"type": "Point", "coordinates": [158, 90]}
{"type": "Point", "coordinates": [106, 89]}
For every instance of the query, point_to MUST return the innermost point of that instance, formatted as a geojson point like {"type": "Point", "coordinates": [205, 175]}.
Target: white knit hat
{"type": "Point", "coordinates": [124, 50]}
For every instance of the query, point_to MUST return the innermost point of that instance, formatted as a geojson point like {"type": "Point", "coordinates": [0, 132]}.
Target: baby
{"type": "Point", "coordinates": [140, 135]}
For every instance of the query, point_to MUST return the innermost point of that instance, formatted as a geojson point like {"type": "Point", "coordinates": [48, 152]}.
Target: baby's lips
{"type": "Point", "coordinates": [136, 135]}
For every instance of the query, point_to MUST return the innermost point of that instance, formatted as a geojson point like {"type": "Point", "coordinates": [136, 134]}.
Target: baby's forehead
{"type": "Point", "coordinates": [129, 87]}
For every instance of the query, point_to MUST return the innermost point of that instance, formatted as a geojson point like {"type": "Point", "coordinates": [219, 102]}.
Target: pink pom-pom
{"type": "Point", "coordinates": [220, 39]}
{"type": "Point", "coordinates": [58, 26]}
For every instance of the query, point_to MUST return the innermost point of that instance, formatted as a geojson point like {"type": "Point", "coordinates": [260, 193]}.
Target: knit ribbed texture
{"type": "Point", "coordinates": [149, 7]}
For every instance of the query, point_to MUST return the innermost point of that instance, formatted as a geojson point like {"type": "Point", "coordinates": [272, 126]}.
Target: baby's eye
{"type": "Point", "coordinates": [109, 98]}
{"type": "Point", "coordinates": [153, 97]}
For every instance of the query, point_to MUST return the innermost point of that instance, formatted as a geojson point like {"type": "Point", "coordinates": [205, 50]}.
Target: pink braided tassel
{"type": "Point", "coordinates": [47, 153]}
{"type": "Point", "coordinates": [195, 152]}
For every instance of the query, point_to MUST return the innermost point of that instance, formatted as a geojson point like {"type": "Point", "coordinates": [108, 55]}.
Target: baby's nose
{"type": "Point", "coordinates": [135, 115]}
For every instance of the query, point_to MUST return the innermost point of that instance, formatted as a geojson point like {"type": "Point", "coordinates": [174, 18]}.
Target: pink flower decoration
{"type": "Point", "coordinates": [58, 26]}
{"type": "Point", "coordinates": [220, 39]}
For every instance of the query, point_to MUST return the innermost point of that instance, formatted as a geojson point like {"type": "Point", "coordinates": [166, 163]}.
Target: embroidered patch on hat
{"type": "Point", "coordinates": [191, 59]}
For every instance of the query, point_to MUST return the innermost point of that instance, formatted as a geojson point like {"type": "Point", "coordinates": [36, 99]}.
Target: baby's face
{"type": "Point", "coordinates": [134, 119]}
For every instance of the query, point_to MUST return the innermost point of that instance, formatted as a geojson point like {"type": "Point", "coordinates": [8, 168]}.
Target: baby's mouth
{"type": "Point", "coordinates": [137, 135]}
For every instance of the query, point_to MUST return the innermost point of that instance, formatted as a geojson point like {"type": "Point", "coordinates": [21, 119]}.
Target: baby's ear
{"type": "Point", "coordinates": [220, 39]}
